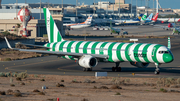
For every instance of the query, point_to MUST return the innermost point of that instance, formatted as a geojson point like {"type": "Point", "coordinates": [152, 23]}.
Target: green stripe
{"type": "Point", "coordinates": [61, 46]}
{"type": "Point", "coordinates": [127, 52]}
{"type": "Point", "coordinates": [136, 51]}
{"type": "Point", "coordinates": [85, 47]}
{"type": "Point", "coordinates": [118, 51]}
{"type": "Point", "coordinates": [110, 52]}
{"type": "Point", "coordinates": [154, 57]}
{"type": "Point", "coordinates": [77, 46]}
{"type": "Point", "coordinates": [54, 46]}
{"type": "Point", "coordinates": [48, 45]}
{"type": "Point", "coordinates": [51, 29]}
{"type": "Point", "coordinates": [69, 46]}
{"type": "Point", "coordinates": [94, 47]}
{"type": "Point", "coordinates": [59, 38]}
{"type": "Point", "coordinates": [101, 49]}
{"type": "Point", "coordinates": [44, 10]}
{"type": "Point", "coordinates": [145, 50]}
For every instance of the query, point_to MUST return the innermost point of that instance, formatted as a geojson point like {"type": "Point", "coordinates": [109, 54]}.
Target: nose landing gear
{"type": "Point", "coordinates": [157, 70]}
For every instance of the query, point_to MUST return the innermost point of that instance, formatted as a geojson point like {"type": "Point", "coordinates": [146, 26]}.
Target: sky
{"type": "Point", "coordinates": [174, 4]}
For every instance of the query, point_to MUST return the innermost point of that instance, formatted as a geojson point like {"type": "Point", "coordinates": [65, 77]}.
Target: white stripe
{"type": "Point", "coordinates": [160, 56]}
{"type": "Point", "coordinates": [131, 51]}
{"type": "Point", "coordinates": [51, 45]}
{"type": "Point", "coordinates": [123, 51]}
{"type": "Point", "coordinates": [55, 32]}
{"type": "Point", "coordinates": [74, 46]}
{"type": "Point", "coordinates": [48, 23]}
{"type": "Point", "coordinates": [57, 46]}
{"type": "Point", "coordinates": [141, 48]}
{"type": "Point", "coordinates": [98, 47]}
{"type": "Point", "coordinates": [149, 53]}
{"type": "Point", "coordinates": [65, 46]}
{"type": "Point", "coordinates": [106, 48]}
{"type": "Point", "coordinates": [82, 46]}
{"type": "Point", "coordinates": [114, 55]}
{"type": "Point", "coordinates": [90, 47]}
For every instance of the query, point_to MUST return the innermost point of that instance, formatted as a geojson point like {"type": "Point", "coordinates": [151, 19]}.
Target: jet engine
{"type": "Point", "coordinates": [88, 61]}
{"type": "Point", "coordinates": [139, 64]}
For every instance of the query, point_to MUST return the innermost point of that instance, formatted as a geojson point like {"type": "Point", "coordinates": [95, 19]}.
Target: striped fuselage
{"type": "Point", "coordinates": [117, 52]}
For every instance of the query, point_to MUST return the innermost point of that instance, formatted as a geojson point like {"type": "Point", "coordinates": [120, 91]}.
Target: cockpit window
{"type": "Point", "coordinates": [161, 52]}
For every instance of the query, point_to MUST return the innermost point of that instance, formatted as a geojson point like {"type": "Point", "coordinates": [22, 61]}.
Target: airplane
{"type": "Point", "coordinates": [119, 22]}
{"type": "Point", "coordinates": [154, 19]}
{"type": "Point", "coordinates": [175, 30]}
{"type": "Point", "coordinates": [147, 20]}
{"type": "Point", "coordinates": [88, 53]}
{"type": "Point", "coordinates": [87, 23]}
{"type": "Point", "coordinates": [137, 21]}
{"type": "Point", "coordinates": [114, 30]}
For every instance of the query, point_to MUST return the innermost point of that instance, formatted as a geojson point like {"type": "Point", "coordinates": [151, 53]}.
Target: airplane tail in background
{"type": "Point", "coordinates": [149, 18]}
{"type": "Point", "coordinates": [144, 17]}
{"type": "Point", "coordinates": [88, 20]}
{"type": "Point", "coordinates": [139, 17]}
{"type": "Point", "coordinates": [155, 17]}
{"type": "Point", "coordinates": [52, 30]}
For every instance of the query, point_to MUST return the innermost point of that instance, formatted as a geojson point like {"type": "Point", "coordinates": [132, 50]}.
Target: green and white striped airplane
{"type": "Point", "coordinates": [89, 53]}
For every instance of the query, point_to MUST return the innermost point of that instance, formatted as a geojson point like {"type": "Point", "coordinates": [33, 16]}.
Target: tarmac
{"type": "Point", "coordinates": [58, 66]}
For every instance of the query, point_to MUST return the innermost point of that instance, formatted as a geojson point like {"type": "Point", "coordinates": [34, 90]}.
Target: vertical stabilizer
{"type": "Point", "coordinates": [169, 43]}
{"type": "Point", "coordinates": [150, 17]}
{"type": "Point", "coordinates": [139, 17]}
{"type": "Point", "coordinates": [52, 30]}
{"type": "Point", "coordinates": [144, 17]}
{"type": "Point", "coordinates": [155, 17]}
{"type": "Point", "coordinates": [88, 20]}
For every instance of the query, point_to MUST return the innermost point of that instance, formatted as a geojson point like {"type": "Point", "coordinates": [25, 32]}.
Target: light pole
{"type": "Point", "coordinates": [136, 8]}
{"type": "Point", "coordinates": [157, 6]}
{"type": "Point", "coordinates": [131, 8]}
{"type": "Point", "coordinates": [119, 9]}
{"type": "Point", "coordinates": [62, 3]}
{"type": "Point", "coordinates": [94, 8]}
{"type": "Point", "coordinates": [16, 8]}
{"type": "Point", "coordinates": [76, 7]}
{"type": "Point", "coordinates": [40, 9]}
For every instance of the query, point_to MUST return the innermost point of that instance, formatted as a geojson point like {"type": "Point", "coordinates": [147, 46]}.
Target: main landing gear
{"type": "Point", "coordinates": [157, 70]}
{"type": "Point", "coordinates": [87, 69]}
{"type": "Point", "coordinates": [117, 69]}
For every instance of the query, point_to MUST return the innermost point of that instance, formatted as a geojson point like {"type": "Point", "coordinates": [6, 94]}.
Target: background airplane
{"type": "Point", "coordinates": [87, 23]}
{"type": "Point", "coordinates": [129, 21]}
{"type": "Point", "coordinates": [89, 53]}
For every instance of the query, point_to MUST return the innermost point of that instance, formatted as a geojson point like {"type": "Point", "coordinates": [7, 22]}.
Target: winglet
{"type": "Point", "coordinates": [8, 43]}
{"type": "Point", "coordinates": [169, 43]}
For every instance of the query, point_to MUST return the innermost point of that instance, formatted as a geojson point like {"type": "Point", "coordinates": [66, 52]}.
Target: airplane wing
{"type": "Point", "coordinates": [33, 45]}
{"type": "Point", "coordinates": [57, 52]}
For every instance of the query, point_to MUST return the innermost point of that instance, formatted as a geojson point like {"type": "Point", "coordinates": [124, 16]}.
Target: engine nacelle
{"type": "Point", "coordinates": [88, 61]}
{"type": "Point", "coordinates": [139, 64]}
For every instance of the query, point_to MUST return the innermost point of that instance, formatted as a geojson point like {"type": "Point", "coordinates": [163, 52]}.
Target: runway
{"type": "Point", "coordinates": [58, 66]}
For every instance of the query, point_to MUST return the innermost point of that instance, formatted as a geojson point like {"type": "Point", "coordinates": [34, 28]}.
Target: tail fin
{"type": "Point", "coordinates": [88, 20]}
{"type": "Point", "coordinates": [155, 17]}
{"type": "Point", "coordinates": [169, 43]}
{"type": "Point", "coordinates": [52, 30]}
{"type": "Point", "coordinates": [139, 17]}
{"type": "Point", "coordinates": [144, 17]}
{"type": "Point", "coordinates": [150, 17]}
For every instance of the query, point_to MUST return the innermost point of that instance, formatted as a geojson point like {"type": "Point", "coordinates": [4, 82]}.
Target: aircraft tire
{"type": "Point", "coordinates": [157, 72]}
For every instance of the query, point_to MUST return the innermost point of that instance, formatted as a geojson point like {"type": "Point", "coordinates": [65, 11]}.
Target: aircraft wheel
{"type": "Point", "coordinates": [113, 69]}
{"type": "Point", "coordinates": [156, 72]}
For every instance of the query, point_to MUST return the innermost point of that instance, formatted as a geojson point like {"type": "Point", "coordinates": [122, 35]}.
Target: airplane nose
{"type": "Point", "coordinates": [168, 58]}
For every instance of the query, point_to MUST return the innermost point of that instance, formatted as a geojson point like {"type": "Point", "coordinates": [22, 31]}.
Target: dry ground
{"type": "Point", "coordinates": [96, 89]}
